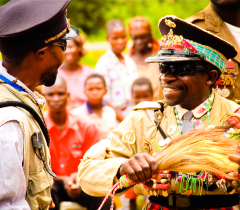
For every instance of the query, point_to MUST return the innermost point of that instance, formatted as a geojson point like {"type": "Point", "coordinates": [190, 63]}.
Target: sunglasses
{"type": "Point", "coordinates": [63, 45]}
{"type": "Point", "coordinates": [181, 69]}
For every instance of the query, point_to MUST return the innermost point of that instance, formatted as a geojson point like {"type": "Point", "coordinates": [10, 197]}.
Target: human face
{"type": "Point", "coordinates": [72, 54]}
{"type": "Point", "coordinates": [141, 93]}
{"type": "Point", "coordinates": [141, 42]}
{"type": "Point", "coordinates": [54, 61]}
{"type": "Point", "coordinates": [56, 97]}
{"type": "Point", "coordinates": [226, 4]}
{"type": "Point", "coordinates": [117, 38]}
{"type": "Point", "coordinates": [95, 90]}
{"type": "Point", "coordinates": [188, 91]}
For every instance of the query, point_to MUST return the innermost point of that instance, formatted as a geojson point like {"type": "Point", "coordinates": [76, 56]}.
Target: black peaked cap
{"type": "Point", "coordinates": [197, 34]}
{"type": "Point", "coordinates": [25, 25]}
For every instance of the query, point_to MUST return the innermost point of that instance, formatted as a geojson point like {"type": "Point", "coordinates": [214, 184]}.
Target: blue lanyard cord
{"type": "Point", "coordinates": [89, 109]}
{"type": "Point", "coordinates": [11, 83]}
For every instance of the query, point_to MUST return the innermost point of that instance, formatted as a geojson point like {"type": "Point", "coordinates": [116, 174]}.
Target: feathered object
{"type": "Point", "coordinates": [199, 150]}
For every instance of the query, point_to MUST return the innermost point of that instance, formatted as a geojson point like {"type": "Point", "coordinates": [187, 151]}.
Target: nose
{"type": "Point", "coordinates": [55, 97]}
{"type": "Point", "coordinates": [167, 77]}
{"type": "Point", "coordinates": [120, 41]}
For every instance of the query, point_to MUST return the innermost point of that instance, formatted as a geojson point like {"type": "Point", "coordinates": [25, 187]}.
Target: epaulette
{"type": "Point", "coordinates": [148, 105]}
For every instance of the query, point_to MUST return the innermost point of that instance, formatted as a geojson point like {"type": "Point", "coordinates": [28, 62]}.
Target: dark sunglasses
{"type": "Point", "coordinates": [181, 69]}
{"type": "Point", "coordinates": [63, 45]}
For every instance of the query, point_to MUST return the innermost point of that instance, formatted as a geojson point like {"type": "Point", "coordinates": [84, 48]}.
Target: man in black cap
{"type": "Point", "coordinates": [191, 61]}
{"type": "Point", "coordinates": [33, 37]}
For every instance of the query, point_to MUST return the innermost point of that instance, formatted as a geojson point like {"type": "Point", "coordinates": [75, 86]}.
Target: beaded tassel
{"type": "Point", "coordinates": [124, 182]}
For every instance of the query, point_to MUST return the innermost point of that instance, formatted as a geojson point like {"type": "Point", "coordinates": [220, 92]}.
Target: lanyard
{"type": "Point", "coordinates": [11, 83]}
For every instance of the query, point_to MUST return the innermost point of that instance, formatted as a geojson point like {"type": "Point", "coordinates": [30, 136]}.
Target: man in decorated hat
{"type": "Point", "coordinates": [33, 37]}
{"type": "Point", "coordinates": [190, 62]}
{"type": "Point", "coordinates": [222, 18]}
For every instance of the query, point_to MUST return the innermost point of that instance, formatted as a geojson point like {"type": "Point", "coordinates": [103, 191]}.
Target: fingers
{"type": "Point", "coordinates": [140, 168]}
{"type": "Point", "coordinates": [52, 205]}
{"type": "Point", "coordinates": [235, 159]}
{"type": "Point", "coordinates": [153, 165]}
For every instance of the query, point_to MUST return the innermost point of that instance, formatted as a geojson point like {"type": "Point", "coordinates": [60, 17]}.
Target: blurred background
{"type": "Point", "coordinates": [90, 16]}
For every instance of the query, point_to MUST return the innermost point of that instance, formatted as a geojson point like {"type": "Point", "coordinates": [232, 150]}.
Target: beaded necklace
{"type": "Point", "coordinates": [208, 114]}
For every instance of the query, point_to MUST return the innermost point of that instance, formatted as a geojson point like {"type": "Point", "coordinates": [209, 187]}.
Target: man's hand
{"type": "Point", "coordinates": [235, 159]}
{"type": "Point", "coordinates": [73, 189]}
{"type": "Point", "coordinates": [140, 168]}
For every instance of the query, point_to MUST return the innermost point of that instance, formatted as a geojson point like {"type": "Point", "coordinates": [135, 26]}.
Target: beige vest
{"type": "Point", "coordinates": [38, 181]}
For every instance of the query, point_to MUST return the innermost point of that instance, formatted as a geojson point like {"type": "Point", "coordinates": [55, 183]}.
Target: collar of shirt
{"type": "Point", "coordinates": [114, 58]}
{"type": "Point", "coordinates": [199, 111]}
{"type": "Point", "coordinates": [235, 32]}
{"type": "Point", "coordinates": [3, 72]}
{"type": "Point", "coordinates": [69, 124]}
{"type": "Point", "coordinates": [89, 109]}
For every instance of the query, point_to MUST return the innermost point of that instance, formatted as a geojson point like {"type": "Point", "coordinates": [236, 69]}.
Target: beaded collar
{"type": "Point", "coordinates": [208, 104]}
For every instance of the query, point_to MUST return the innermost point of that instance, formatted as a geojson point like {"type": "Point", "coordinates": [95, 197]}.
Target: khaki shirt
{"type": "Point", "coordinates": [97, 171]}
{"type": "Point", "coordinates": [209, 20]}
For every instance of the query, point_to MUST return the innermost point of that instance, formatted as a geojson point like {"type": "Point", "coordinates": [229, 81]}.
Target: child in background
{"type": "Point", "coordinates": [141, 91]}
{"type": "Point", "coordinates": [104, 116]}
{"type": "Point", "coordinates": [118, 69]}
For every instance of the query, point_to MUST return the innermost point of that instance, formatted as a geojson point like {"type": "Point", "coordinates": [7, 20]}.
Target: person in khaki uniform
{"type": "Point", "coordinates": [222, 18]}
{"type": "Point", "coordinates": [191, 61]}
{"type": "Point", "coordinates": [32, 40]}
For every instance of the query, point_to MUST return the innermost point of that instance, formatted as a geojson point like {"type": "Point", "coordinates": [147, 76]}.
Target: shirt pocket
{"type": "Point", "coordinates": [77, 151]}
{"type": "Point", "coordinates": [39, 186]}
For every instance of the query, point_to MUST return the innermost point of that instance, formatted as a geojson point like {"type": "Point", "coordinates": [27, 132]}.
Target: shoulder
{"type": "Point", "coordinates": [110, 110]}
{"type": "Point", "coordinates": [83, 120]}
{"type": "Point", "coordinates": [200, 16]}
{"type": "Point", "coordinates": [87, 69]}
{"type": "Point", "coordinates": [11, 113]}
{"type": "Point", "coordinates": [147, 105]}
{"type": "Point", "coordinates": [102, 60]}
{"type": "Point", "coordinates": [197, 17]}
{"type": "Point", "coordinates": [226, 106]}
{"type": "Point", "coordinates": [229, 105]}
{"type": "Point", "coordinates": [79, 110]}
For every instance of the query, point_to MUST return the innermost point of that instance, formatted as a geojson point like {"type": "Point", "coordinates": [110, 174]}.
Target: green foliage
{"type": "Point", "coordinates": [91, 15]}
{"type": "Point", "coordinates": [92, 57]}
{"type": "Point", "coordinates": [96, 13]}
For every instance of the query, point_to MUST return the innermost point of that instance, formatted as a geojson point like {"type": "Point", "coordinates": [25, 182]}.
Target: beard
{"type": "Point", "coordinates": [49, 76]}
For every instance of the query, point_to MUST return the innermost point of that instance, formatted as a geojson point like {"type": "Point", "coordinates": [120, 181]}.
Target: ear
{"type": "Point", "coordinates": [212, 77]}
{"type": "Point", "coordinates": [40, 53]}
{"type": "Point", "coordinates": [68, 94]}
{"type": "Point", "coordinates": [105, 91]}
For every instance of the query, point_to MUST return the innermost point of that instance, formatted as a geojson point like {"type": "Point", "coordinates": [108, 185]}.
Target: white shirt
{"type": "Point", "coordinates": [12, 178]}
{"type": "Point", "coordinates": [235, 32]}
{"type": "Point", "coordinates": [119, 77]}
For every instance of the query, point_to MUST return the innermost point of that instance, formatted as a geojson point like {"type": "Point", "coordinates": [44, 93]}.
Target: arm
{"type": "Point", "coordinates": [12, 178]}
{"type": "Point", "coordinates": [100, 165]}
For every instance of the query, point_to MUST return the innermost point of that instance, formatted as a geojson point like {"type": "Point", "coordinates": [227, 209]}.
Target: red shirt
{"type": "Point", "coordinates": [68, 146]}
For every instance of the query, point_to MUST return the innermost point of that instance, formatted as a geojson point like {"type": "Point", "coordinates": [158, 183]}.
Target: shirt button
{"type": "Point", "coordinates": [61, 152]}
{"type": "Point", "coordinates": [62, 165]}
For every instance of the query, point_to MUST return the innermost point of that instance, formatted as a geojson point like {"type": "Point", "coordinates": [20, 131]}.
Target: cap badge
{"type": "Point", "coordinates": [68, 24]}
{"type": "Point", "coordinates": [170, 24]}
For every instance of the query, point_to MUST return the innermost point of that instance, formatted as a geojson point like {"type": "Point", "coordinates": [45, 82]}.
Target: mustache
{"type": "Point", "coordinates": [167, 85]}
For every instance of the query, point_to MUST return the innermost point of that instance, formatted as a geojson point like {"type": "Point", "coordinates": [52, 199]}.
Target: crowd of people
{"type": "Point", "coordinates": [86, 105]}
